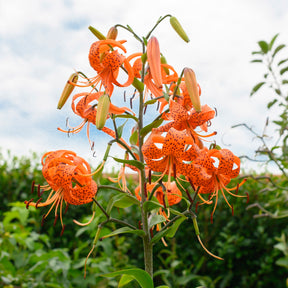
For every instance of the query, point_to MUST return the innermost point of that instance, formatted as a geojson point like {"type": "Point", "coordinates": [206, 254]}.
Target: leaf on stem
{"type": "Point", "coordinates": [264, 46]}
{"type": "Point", "coordinates": [141, 276]}
{"type": "Point", "coordinates": [256, 88]}
{"type": "Point", "coordinates": [134, 163]}
{"type": "Point", "coordinates": [123, 230]}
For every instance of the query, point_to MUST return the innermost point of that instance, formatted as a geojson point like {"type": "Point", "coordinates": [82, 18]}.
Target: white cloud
{"type": "Point", "coordinates": [41, 42]}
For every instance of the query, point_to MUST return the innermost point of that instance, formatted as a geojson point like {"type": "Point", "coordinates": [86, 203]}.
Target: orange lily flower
{"type": "Point", "coordinates": [183, 119]}
{"type": "Point", "coordinates": [86, 109]}
{"type": "Point", "coordinates": [212, 179]}
{"type": "Point", "coordinates": [68, 181]}
{"type": "Point", "coordinates": [174, 151]}
{"type": "Point", "coordinates": [106, 62]}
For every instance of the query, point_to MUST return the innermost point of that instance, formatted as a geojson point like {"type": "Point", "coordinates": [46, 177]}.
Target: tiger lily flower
{"type": "Point", "coordinates": [211, 178]}
{"type": "Point", "coordinates": [187, 119]}
{"type": "Point", "coordinates": [86, 110]}
{"type": "Point", "coordinates": [168, 159]}
{"type": "Point", "coordinates": [68, 181]}
{"type": "Point", "coordinates": [106, 62]}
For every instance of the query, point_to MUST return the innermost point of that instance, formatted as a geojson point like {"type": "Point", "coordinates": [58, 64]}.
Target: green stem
{"type": "Point", "coordinates": [147, 245]}
{"type": "Point", "coordinates": [157, 23]}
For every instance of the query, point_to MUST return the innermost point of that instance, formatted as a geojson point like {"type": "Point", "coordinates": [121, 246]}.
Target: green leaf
{"type": "Point", "coordinates": [149, 102]}
{"type": "Point", "coordinates": [282, 71]}
{"type": "Point", "coordinates": [123, 230]}
{"type": "Point", "coordinates": [134, 138]}
{"type": "Point", "coordinates": [126, 116]}
{"type": "Point", "coordinates": [256, 88]}
{"type": "Point", "coordinates": [141, 276]}
{"type": "Point", "coordinates": [282, 262]}
{"type": "Point", "coordinates": [282, 61]}
{"type": "Point", "coordinates": [270, 104]}
{"type": "Point", "coordinates": [134, 163]}
{"type": "Point", "coordinates": [159, 235]}
{"type": "Point", "coordinates": [278, 48]}
{"type": "Point", "coordinates": [256, 61]}
{"type": "Point", "coordinates": [162, 286]}
{"type": "Point", "coordinates": [264, 46]}
{"type": "Point", "coordinates": [284, 81]}
{"type": "Point", "coordinates": [156, 219]}
{"type": "Point", "coordinates": [120, 129]}
{"type": "Point", "coordinates": [257, 52]}
{"type": "Point", "coordinates": [125, 279]}
{"type": "Point", "coordinates": [272, 42]}
{"type": "Point", "coordinates": [173, 229]}
{"type": "Point", "coordinates": [151, 205]}
{"type": "Point", "coordinates": [138, 85]}
{"type": "Point", "coordinates": [121, 201]}
{"type": "Point", "coordinates": [145, 130]}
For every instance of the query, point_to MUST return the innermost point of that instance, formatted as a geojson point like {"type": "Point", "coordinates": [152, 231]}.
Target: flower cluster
{"type": "Point", "coordinates": [173, 156]}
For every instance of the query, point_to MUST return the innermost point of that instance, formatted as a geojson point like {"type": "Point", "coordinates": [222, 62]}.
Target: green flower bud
{"type": "Point", "coordinates": [69, 87]}
{"type": "Point", "coordinates": [179, 29]}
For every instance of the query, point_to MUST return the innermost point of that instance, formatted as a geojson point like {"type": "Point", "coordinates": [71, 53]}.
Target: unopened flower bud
{"type": "Point", "coordinates": [153, 56]}
{"type": "Point", "coordinates": [97, 33]}
{"type": "Point", "coordinates": [69, 87]}
{"type": "Point", "coordinates": [112, 33]}
{"type": "Point", "coordinates": [102, 111]}
{"type": "Point", "coordinates": [192, 88]}
{"type": "Point", "coordinates": [164, 61]}
{"type": "Point", "coordinates": [179, 29]}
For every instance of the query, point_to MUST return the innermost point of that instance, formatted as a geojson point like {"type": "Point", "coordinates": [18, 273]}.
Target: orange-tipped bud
{"type": "Point", "coordinates": [153, 57]}
{"type": "Point", "coordinates": [102, 111]}
{"type": "Point", "coordinates": [112, 33]}
{"type": "Point", "coordinates": [69, 87]}
{"type": "Point", "coordinates": [179, 29]}
{"type": "Point", "coordinates": [192, 88]}
{"type": "Point", "coordinates": [97, 33]}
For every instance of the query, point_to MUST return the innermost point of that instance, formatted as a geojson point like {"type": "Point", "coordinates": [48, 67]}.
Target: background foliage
{"type": "Point", "coordinates": [253, 242]}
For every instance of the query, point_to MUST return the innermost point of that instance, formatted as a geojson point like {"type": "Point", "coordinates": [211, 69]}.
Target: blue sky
{"type": "Point", "coordinates": [42, 42]}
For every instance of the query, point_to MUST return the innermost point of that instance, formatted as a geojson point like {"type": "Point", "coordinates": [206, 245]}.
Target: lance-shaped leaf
{"type": "Point", "coordinates": [264, 46]}
{"type": "Point", "coordinates": [156, 219]}
{"type": "Point", "coordinates": [134, 163]}
{"type": "Point", "coordinates": [141, 276]}
{"type": "Point", "coordinates": [151, 205]}
{"type": "Point", "coordinates": [145, 130]}
{"type": "Point", "coordinates": [121, 201]}
{"type": "Point", "coordinates": [173, 229]}
{"type": "Point", "coordinates": [123, 230]}
{"type": "Point", "coordinates": [256, 88]}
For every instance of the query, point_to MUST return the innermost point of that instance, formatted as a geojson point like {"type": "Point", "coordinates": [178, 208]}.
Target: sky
{"type": "Point", "coordinates": [42, 42]}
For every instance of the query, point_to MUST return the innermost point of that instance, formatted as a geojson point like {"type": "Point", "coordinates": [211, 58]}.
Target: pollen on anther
{"type": "Point", "coordinates": [55, 220]}
{"type": "Point", "coordinates": [247, 201]}
{"type": "Point", "coordinates": [28, 202]}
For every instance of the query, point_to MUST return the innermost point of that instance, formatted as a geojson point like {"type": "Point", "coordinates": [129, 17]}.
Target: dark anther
{"type": "Point", "coordinates": [38, 190]}
{"type": "Point", "coordinates": [28, 202]}
{"type": "Point", "coordinates": [158, 104]}
{"type": "Point", "coordinates": [247, 201]}
{"type": "Point", "coordinates": [43, 220]}
{"type": "Point", "coordinates": [174, 170]}
{"type": "Point", "coordinates": [124, 96]}
{"type": "Point", "coordinates": [151, 232]}
{"type": "Point", "coordinates": [139, 225]}
{"type": "Point", "coordinates": [149, 176]}
{"type": "Point", "coordinates": [92, 146]}
{"type": "Point", "coordinates": [55, 220]}
{"type": "Point", "coordinates": [215, 111]}
{"type": "Point", "coordinates": [191, 183]}
{"type": "Point", "coordinates": [232, 210]}
{"type": "Point", "coordinates": [145, 108]}
{"type": "Point", "coordinates": [66, 208]}
{"type": "Point", "coordinates": [32, 187]}
{"type": "Point", "coordinates": [94, 154]}
{"type": "Point", "coordinates": [36, 206]}
{"type": "Point", "coordinates": [211, 218]}
{"type": "Point", "coordinates": [62, 231]}
{"type": "Point", "coordinates": [131, 106]}
{"type": "Point", "coordinates": [209, 123]}
{"type": "Point", "coordinates": [237, 189]}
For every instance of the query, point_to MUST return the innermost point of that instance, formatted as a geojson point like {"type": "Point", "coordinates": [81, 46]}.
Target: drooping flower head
{"type": "Point", "coordinates": [106, 62]}
{"type": "Point", "coordinates": [212, 171]}
{"type": "Point", "coordinates": [69, 181]}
